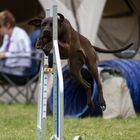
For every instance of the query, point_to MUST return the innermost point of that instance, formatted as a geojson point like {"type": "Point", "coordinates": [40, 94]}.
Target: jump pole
{"type": "Point", "coordinates": [58, 88]}
{"type": "Point", "coordinates": [42, 98]}
{"type": "Point", "coordinates": [58, 113]}
{"type": "Point", "coordinates": [58, 93]}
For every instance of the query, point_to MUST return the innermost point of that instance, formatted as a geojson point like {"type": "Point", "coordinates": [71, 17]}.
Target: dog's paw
{"type": "Point", "coordinates": [103, 108]}
{"type": "Point", "coordinates": [102, 104]}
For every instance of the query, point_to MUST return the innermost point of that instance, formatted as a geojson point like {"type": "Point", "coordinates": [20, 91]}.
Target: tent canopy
{"type": "Point", "coordinates": [120, 25]}
{"type": "Point", "coordinates": [22, 9]}
{"type": "Point", "coordinates": [115, 21]}
{"type": "Point", "coordinates": [121, 7]}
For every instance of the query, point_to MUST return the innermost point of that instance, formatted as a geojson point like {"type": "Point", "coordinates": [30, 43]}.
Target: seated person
{"type": "Point", "coordinates": [16, 46]}
{"type": "Point", "coordinates": [34, 37]}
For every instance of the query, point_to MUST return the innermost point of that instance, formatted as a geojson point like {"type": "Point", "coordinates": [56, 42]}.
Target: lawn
{"type": "Point", "coordinates": [18, 122]}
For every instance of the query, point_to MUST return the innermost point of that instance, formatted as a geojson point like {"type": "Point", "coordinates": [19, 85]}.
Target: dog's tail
{"type": "Point", "coordinates": [112, 51]}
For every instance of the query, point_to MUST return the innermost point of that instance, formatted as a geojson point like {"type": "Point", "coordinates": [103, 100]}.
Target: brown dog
{"type": "Point", "coordinates": [77, 49]}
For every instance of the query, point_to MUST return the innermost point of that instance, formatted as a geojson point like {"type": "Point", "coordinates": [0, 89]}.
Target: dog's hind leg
{"type": "Point", "coordinates": [75, 68]}
{"type": "Point", "coordinates": [94, 71]}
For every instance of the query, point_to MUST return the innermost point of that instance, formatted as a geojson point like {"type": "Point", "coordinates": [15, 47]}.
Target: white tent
{"type": "Point", "coordinates": [118, 21]}
{"type": "Point", "coordinates": [87, 14]}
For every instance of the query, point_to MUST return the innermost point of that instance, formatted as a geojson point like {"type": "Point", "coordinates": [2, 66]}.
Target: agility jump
{"type": "Point", "coordinates": [58, 89]}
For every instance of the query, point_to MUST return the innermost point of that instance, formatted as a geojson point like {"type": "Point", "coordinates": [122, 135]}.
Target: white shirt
{"type": "Point", "coordinates": [20, 46]}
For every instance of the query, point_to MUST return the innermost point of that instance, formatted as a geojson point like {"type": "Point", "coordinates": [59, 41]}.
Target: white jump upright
{"type": "Point", "coordinates": [58, 86]}
{"type": "Point", "coordinates": [42, 103]}
{"type": "Point", "coordinates": [42, 98]}
{"type": "Point", "coordinates": [58, 89]}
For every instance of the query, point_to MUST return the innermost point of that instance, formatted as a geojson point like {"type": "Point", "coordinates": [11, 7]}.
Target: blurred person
{"type": "Point", "coordinates": [35, 34]}
{"type": "Point", "coordinates": [15, 47]}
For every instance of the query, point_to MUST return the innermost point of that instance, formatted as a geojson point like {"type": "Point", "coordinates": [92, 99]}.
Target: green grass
{"type": "Point", "coordinates": [18, 122]}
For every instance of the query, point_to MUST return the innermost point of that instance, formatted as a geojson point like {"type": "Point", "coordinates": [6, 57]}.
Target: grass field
{"type": "Point", "coordinates": [18, 122]}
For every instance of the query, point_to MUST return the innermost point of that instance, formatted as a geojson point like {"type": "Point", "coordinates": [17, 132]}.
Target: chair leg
{"type": "Point", "coordinates": [32, 91]}
{"type": "Point", "coordinates": [7, 91]}
{"type": "Point", "coordinates": [27, 91]}
{"type": "Point", "coordinates": [19, 91]}
{"type": "Point", "coordinates": [4, 90]}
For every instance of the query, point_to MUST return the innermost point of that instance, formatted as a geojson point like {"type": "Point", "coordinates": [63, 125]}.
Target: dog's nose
{"type": "Point", "coordinates": [45, 32]}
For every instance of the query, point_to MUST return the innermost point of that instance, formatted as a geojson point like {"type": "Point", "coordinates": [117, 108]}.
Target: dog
{"type": "Point", "coordinates": [77, 49]}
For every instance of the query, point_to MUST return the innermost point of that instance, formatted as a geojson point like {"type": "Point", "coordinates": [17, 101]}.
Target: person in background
{"type": "Point", "coordinates": [35, 34]}
{"type": "Point", "coordinates": [16, 45]}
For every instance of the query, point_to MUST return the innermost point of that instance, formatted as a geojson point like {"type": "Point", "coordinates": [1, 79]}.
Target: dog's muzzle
{"type": "Point", "coordinates": [47, 34]}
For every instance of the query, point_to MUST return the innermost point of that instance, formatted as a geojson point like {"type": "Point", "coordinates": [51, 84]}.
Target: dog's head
{"type": "Point", "coordinates": [46, 26]}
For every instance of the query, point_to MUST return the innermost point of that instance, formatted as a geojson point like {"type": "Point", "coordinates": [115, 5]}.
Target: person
{"type": "Point", "coordinates": [34, 36]}
{"type": "Point", "coordinates": [16, 46]}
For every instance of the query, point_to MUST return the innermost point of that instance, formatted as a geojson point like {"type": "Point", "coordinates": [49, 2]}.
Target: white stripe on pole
{"type": "Point", "coordinates": [58, 83]}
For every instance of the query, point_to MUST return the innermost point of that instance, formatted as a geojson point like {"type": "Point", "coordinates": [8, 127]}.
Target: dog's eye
{"type": "Point", "coordinates": [44, 24]}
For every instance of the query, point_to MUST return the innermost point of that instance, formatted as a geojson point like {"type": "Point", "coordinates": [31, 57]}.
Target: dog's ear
{"type": "Point", "coordinates": [60, 18]}
{"type": "Point", "coordinates": [35, 22]}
